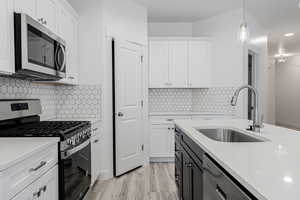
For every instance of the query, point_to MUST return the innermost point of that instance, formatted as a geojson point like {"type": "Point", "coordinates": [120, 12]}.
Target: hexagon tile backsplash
{"type": "Point", "coordinates": [213, 100]}
{"type": "Point", "coordinates": [57, 101]}
{"type": "Point", "coordinates": [82, 101]}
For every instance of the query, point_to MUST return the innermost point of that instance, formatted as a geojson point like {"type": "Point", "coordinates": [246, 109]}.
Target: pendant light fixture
{"type": "Point", "coordinates": [244, 32]}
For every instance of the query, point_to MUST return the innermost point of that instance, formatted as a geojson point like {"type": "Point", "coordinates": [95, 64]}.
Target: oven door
{"type": "Point", "coordinates": [76, 172]}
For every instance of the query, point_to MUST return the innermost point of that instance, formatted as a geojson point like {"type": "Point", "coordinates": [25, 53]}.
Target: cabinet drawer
{"type": "Point", "coordinates": [218, 185]}
{"type": "Point", "coordinates": [191, 146]}
{"type": "Point", "coordinates": [167, 119]}
{"type": "Point", "coordinates": [24, 173]}
{"type": "Point", "coordinates": [96, 127]}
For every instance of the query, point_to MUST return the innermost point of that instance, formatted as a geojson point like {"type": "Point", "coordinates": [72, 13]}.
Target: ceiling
{"type": "Point", "coordinates": [270, 13]}
{"type": "Point", "coordinates": [288, 44]}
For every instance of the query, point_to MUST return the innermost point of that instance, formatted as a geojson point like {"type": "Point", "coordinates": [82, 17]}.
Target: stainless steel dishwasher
{"type": "Point", "coordinates": [218, 186]}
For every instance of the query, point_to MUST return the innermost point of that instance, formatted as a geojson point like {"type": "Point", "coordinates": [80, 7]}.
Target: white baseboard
{"type": "Point", "coordinates": [162, 159]}
{"type": "Point", "coordinates": [105, 175]}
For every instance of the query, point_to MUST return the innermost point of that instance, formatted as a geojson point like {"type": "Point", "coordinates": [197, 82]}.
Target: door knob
{"type": "Point", "coordinates": [120, 114]}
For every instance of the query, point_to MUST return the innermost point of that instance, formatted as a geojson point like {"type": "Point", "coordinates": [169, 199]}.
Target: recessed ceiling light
{"type": "Point", "coordinates": [288, 179]}
{"type": "Point", "coordinates": [289, 34]}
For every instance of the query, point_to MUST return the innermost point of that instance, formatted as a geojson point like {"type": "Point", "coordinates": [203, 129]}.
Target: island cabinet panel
{"type": "Point", "coordinates": [188, 169]}
{"type": "Point", "coordinates": [186, 178]}
{"type": "Point", "coordinates": [199, 177]}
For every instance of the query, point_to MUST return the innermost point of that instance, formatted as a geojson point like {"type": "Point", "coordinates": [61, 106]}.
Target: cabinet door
{"type": "Point", "coordinates": [160, 141]}
{"type": "Point", "coordinates": [28, 7]}
{"type": "Point", "coordinates": [200, 64]}
{"type": "Point", "coordinates": [178, 70]}
{"type": "Point", "coordinates": [47, 10]}
{"type": "Point", "coordinates": [186, 177]}
{"type": "Point", "coordinates": [7, 37]}
{"type": "Point", "coordinates": [30, 193]}
{"type": "Point", "coordinates": [96, 149]}
{"type": "Point", "coordinates": [48, 185]}
{"type": "Point", "coordinates": [159, 64]}
{"type": "Point", "coordinates": [68, 29]}
{"type": "Point", "coordinates": [197, 182]}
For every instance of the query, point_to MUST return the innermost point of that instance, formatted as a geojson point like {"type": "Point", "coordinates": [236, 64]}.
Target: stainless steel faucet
{"type": "Point", "coordinates": [257, 119]}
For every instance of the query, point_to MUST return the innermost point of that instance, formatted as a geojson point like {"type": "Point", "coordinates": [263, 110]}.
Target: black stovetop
{"type": "Point", "coordinates": [42, 129]}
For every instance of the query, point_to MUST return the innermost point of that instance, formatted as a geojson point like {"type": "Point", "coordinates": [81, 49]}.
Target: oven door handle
{"type": "Point", "coordinates": [70, 152]}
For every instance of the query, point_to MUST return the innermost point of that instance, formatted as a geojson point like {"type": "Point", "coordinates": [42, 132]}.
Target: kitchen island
{"type": "Point", "coordinates": [262, 170]}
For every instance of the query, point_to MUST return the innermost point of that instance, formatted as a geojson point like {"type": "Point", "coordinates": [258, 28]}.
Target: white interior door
{"type": "Point", "coordinates": [128, 107]}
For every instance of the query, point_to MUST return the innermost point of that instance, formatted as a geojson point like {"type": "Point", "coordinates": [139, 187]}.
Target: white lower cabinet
{"type": "Point", "coordinates": [161, 141]}
{"type": "Point", "coordinates": [95, 153]}
{"type": "Point", "coordinates": [48, 184]}
{"type": "Point", "coordinates": [35, 178]}
{"type": "Point", "coordinates": [162, 133]}
{"type": "Point", "coordinates": [45, 188]}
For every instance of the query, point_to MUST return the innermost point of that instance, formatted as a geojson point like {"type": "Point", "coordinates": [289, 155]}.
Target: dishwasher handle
{"type": "Point", "coordinates": [221, 194]}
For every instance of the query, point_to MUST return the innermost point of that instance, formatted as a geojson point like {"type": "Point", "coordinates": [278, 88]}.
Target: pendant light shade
{"type": "Point", "coordinates": [244, 32]}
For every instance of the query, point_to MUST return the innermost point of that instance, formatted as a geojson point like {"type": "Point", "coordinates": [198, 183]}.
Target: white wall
{"type": "Point", "coordinates": [100, 21]}
{"type": "Point", "coordinates": [229, 55]}
{"type": "Point", "coordinates": [227, 51]}
{"type": "Point", "coordinates": [90, 41]}
{"type": "Point", "coordinates": [126, 20]}
{"type": "Point", "coordinates": [287, 93]}
{"type": "Point", "coordinates": [270, 110]}
{"type": "Point", "coordinates": [170, 29]}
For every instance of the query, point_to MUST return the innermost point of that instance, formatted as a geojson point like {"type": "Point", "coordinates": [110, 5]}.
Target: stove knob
{"type": "Point", "coordinates": [69, 142]}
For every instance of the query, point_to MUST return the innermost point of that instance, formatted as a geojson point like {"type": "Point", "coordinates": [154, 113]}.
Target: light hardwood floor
{"type": "Point", "coordinates": [154, 182]}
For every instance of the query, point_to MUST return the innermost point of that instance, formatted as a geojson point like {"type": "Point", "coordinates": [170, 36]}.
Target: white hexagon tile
{"type": "Point", "coordinates": [79, 101]}
{"type": "Point", "coordinates": [20, 89]}
{"type": "Point", "coordinates": [170, 100]}
{"type": "Point", "coordinates": [57, 101]}
{"type": "Point", "coordinates": [213, 100]}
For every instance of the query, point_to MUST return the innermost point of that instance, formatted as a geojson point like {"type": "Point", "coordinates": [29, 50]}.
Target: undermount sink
{"type": "Point", "coordinates": [228, 135]}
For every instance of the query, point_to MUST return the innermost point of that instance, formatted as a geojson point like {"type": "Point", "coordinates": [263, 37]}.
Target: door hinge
{"type": "Point", "coordinates": [142, 59]}
{"type": "Point", "coordinates": [142, 147]}
{"type": "Point", "coordinates": [142, 103]}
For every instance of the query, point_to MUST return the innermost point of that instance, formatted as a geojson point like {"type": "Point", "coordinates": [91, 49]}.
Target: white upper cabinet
{"type": "Point", "coordinates": [178, 70]}
{"type": "Point", "coordinates": [68, 29]}
{"type": "Point", "coordinates": [199, 64]}
{"type": "Point", "coordinates": [56, 15]}
{"type": "Point", "coordinates": [6, 37]}
{"type": "Point", "coordinates": [159, 64]}
{"type": "Point", "coordinates": [44, 11]}
{"type": "Point", "coordinates": [180, 63]}
{"type": "Point", "coordinates": [26, 6]}
{"type": "Point", "coordinates": [47, 12]}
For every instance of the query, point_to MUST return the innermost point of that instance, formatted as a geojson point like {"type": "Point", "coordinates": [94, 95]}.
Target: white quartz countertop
{"type": "Point", "coordinates": [269, 170]}
{"type": "Point", "coordinates": [187, 114]}
{"type": "Point", "coordinates": [14, 150]}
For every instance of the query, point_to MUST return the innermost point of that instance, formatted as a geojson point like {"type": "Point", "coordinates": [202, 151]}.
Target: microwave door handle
{"type": "Point", "coordinates": [56, 58]}
{"type": "Point", "coordinates": [64, 62]}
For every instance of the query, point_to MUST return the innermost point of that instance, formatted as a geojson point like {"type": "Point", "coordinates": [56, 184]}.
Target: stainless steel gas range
{"type": "Point", "coordinates": [20, 118]}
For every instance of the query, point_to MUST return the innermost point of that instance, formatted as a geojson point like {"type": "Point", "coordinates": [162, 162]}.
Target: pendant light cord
{"type": "Point", "coordinates": [244, 11]}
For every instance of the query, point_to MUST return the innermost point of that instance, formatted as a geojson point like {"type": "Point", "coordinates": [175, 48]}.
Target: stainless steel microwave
{"type": "Point", "coordinates": [39, 53]}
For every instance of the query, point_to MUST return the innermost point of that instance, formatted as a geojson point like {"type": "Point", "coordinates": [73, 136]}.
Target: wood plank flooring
{"type": "Point", "coordinates": [153, 182]}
